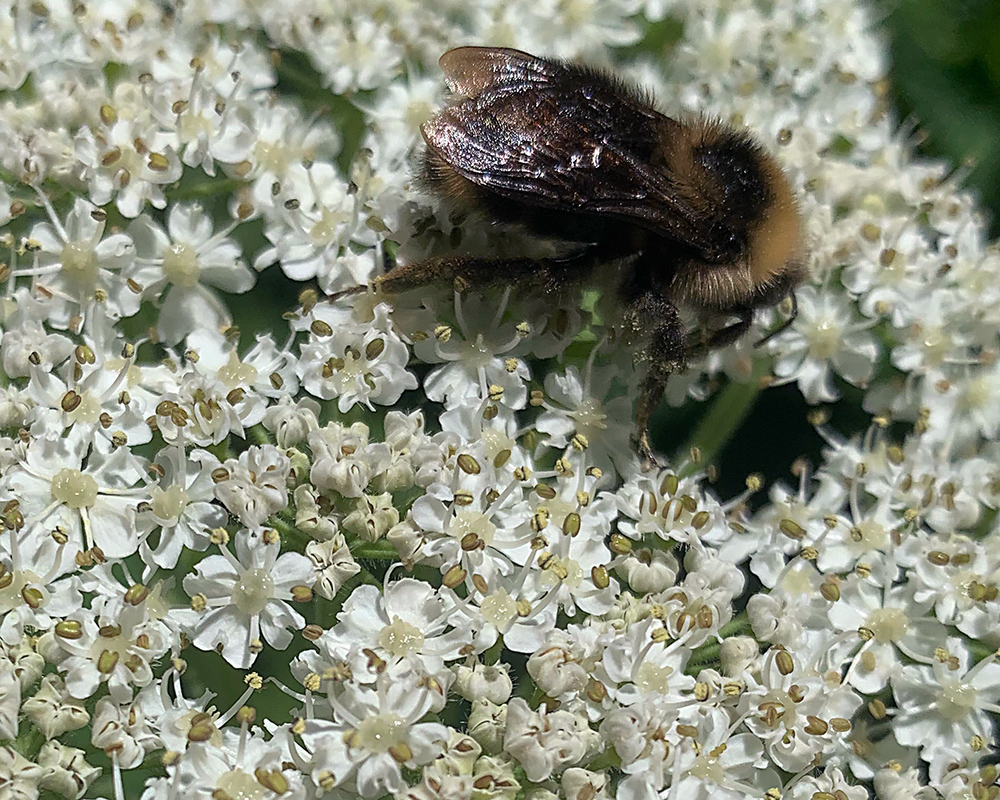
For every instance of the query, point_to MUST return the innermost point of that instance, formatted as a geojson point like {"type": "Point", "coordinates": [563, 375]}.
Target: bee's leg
{"type": "Point", "coordinates": [666, 353]}
{"type": "Point", "coordinates": [467, 273]}
{"type": "Point", "coordinates": [585, 256]}
{"type": "Point", "coordinates": [723, 336]}
{"type": "Point", "coordinates": [792, 316]}
{"type": "Point", "coordinates": [649, 399]}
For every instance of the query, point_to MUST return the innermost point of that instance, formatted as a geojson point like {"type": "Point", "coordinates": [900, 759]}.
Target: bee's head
{"type": "Point", "coordinates": [754, 254]}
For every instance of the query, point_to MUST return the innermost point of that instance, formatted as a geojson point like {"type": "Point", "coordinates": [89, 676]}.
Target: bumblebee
{"type": "Point", "coordinates": [684, 214]}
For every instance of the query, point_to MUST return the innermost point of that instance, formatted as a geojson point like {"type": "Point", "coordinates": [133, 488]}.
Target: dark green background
{"type": "Point", "coordinates": [946, 74]}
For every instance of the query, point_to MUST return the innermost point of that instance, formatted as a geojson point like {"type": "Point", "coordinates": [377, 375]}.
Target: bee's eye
{"type": "Point", "coordinates": [736, 244]}
{"type": "Point", "coordinates": [728, 245]}
{"type": "Point", "coordinates": [735, 169]}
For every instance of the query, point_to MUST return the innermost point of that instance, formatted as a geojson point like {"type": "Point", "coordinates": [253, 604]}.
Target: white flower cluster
{"type": "Point", "coordinates": [423, 523]}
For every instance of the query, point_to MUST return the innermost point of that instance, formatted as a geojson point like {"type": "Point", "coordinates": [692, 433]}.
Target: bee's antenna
{"type": "Point", "coordinates": [784, 325]}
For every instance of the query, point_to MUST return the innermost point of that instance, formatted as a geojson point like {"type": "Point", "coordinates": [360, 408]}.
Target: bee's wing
{"type": "Point", "coordinates": [552, 135]}
{"type": "Point", "coordinates": [470, 70]}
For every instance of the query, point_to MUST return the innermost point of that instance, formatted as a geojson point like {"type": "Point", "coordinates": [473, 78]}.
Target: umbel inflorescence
{"type": "Point", "coordinates": [407, 549]}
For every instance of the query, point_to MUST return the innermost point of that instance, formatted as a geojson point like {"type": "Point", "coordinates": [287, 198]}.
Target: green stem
{"type": "Point", "coordinates": [29, 741]}
{"type": "Point", "coordinates": [729, 408]}
{"type": "Point", "coordinates": [609, 759]}
{"type": "Point", "coordinates": [375, 551]}
{"type": "Point", "coordinates": [978, 649]}
{"type": "Point", "coordinates": [260, 435]}
{"type": "Point", "coordinates": [987, 523]}
{"type": "Point", "coordinates": [493, 654]}
{"type": "Point", "coordinates": [737, 626]}
{"type": "Point", "coordinates": [291, 536]}
{"type": "Point", "coordinates": [709, 653]}
{"type": "Point", "coordinates": [364, 576]}
{"type": "Point", "coordinates": [214, 187]}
